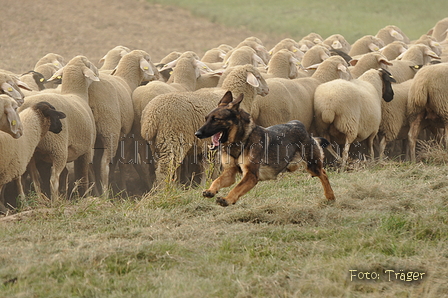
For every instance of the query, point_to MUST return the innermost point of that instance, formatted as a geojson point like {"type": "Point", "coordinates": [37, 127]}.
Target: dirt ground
{"type": "Point", "coordinates": [31, 29]}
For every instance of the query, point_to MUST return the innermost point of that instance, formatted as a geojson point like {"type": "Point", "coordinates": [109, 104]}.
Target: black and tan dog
{"type": "Point", "coordinates": [256, 152]}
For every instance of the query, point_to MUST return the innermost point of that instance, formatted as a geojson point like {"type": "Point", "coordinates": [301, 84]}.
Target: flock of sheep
{"type": "Point", "coordinates": [66, 124]}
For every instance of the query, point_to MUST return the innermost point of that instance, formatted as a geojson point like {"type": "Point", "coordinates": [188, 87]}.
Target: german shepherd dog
{"type": "Point", "coordinates": [256, 152]}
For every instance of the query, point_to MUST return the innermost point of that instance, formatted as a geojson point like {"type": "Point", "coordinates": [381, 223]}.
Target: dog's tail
{"type": "Point", "coordinates": [323, 142]}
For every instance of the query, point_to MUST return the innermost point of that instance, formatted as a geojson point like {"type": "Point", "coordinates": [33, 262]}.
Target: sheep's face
{"type": "Point", "coordinates": [10, 121]}
{"type": "Point", "coordinates": [49, 112]}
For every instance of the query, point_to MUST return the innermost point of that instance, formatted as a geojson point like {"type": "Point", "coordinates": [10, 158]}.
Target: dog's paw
{"type": "Point", "coordinates": [222, 202]}
{"type": "Point", "coordinates": [208, 194]}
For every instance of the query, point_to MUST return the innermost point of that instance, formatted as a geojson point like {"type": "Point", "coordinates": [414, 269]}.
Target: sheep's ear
{"type": "Point", "coordinates": [102, 60]}
{"type": "Point", "coordinates": [13, 119]}
{"type": "Point", "coordinates": [226, 99]}
{"type": "Point", "coordinates": [56, 63]}
{"type": "Point", "coordinates": [395, 34]}
{"type": "Point", "coordinates": [354, 61]}
{"type": "Point", "coordinates": [258, 60]}
{"type": "Point", "coordinates": [314, 66]}
{"type": "Point", "coordinates": [252, 80]}
{"type": "Point", "coordinates": [416, 67]}
{"type": "Point", "coordinates": [11, 91]}
{"type": "Point", "coordinates": [297, 52]}
{"type": "Point", "coordinates": [431, 54]}
{"type": "Point", "coordinates": [24, 85]}
{"type": "Point", "coordinates": [146, 67]}
{"type": "Point", "coordinates": [336, 44]}
{"type": "Point", "coordinates": [382, 60]}
{"type": "Point", "coordinates": [373, 47]}
{"type": "Point", "coordinates": [324, 56]}
{"type": "Point", "coordinates": [171, 64]}
{"type": "Point", "coordinates": [235, 105]}
{"type": "Point", "coordinates": [88, 73]}
{"type": "Point", "coordinates": [304, 48]}
{"type": "Point", "coordinates": [57, 75]}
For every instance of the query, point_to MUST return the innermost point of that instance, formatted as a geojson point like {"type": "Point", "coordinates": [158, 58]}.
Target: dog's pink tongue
{"type": "Point", "coordinates": [215, 139]}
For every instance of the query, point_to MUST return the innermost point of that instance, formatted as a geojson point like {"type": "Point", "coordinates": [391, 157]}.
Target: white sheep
{"type": "Point", "coordinates": [293, 99]}
{"type": "Point", "coordinates": [164, 75]}
{"type": "Point", "coordinates": [184, 76]}
{"type": "Point", "coordinates": [256, 45]}
{"type": "Point", "coordinates": [430, 42]}
{"type": "Point", "coordinates": [428, 101]}
{"type": "Point", "coordinates": [394, 49]}
{"type": "Point", "coordinates": [338, 42]}
{"type": "Point", "coordinates": [314, 37]}
{"type": "Point", "coordinates": [56, 59]}
{"type": "Point", "coordinates": [368, 61]}
{"type": "Point", "coordinates": [9, 119]}
{"type": "Point", "coordinates": [366, 44]}
{"type": "Point", "coordinates": [394, 117]}
{"type": "Point", "coordinates": [11, 85]}
{"type": "Point", "coordinates": [391, 33]}
{"type": "Point", "coordinates": [403, 67]}
{"type": "Point", "coordinates": [15, 154]}
{"type": "Point", "coordinates": [186, 71]}
{"type": "Point", "coordinates": [113, 110]}
{"type": "Point", "coordinates": [283, 64]}
{"type": "Point", "coordinates": [287, 44]}
{"type": "Point", "coordinates": [239, 56]}
{"type": "Point", "coordinates": [169, 121]}
{"type": "Point", "coordinates": [440, 30]}
{"type": "Point", "coordinates": [76, 141]}
{"type": "Point", "coordinates": [216, 54]}
{"type": "Point", "coordinates": [349, 111]}
{"type": "Point", "coordinates": [315, 55]}
{"type": "Point", "coordinates": [110, 60]}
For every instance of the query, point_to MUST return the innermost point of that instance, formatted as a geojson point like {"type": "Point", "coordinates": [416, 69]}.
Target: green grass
{"type": "Point", "coordinates": [279, 240]}
{"type": "Point", "coordinates": [296, 18]}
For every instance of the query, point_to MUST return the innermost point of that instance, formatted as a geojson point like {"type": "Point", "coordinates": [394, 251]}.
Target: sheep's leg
{"type": "Point", "coordinates": [35, 177]}
{"type": "Point", "coordinates": [383, 144]}
{"type": "Point", "coordinates": [345, 154]}
{"type": "Point", "coordinates": [56, 171]}
{"type": "Point", "coordinates": [82, 173]}
{"type": "Point", "coordinates": [414, 130]}
{"type": "Point", "coordinates": [169, 157]}
{"type": "Point", "coordinates": [370, 140]}
{"type": "Point", "coordinates": [3, 209]}
{"type": "Point", "coordinates": [445, 136]}
{"type": "Point", "coordinates": [104, 171]}
{"type": "Point", "coordinates": [21, 197]}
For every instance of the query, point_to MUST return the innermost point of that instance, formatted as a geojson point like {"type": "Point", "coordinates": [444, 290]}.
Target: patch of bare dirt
{"type": "Point", "coordinates": [31, 29]}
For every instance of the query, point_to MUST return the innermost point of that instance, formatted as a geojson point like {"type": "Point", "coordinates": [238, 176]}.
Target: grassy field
{"type": "Point", "coordinates": [296, 18]}
{"type": "Point", "coordinates": [389, 224]}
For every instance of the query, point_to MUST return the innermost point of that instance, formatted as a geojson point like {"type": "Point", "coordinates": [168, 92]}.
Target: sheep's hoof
{"type": "Point", "coordinates": [222, 202]}
{"type": "Point", "coordinates": [208, 194]}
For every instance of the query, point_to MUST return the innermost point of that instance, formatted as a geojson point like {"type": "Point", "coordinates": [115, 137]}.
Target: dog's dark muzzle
{"type": "Point", "coordinates": [200, 134]}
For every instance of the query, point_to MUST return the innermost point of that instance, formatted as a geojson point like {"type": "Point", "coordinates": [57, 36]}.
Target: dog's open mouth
{"type": "Point", "coordinates": [215, 141]}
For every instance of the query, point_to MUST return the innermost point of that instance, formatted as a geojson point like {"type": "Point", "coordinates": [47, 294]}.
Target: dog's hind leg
{"type": "Point", "coordinates": [316, 170]}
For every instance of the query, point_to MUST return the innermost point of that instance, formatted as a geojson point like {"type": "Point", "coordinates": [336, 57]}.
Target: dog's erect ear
{"type": "Point", "coordinates": [236, 103]}
{"type": "Point", "coordinates": [226, 99]}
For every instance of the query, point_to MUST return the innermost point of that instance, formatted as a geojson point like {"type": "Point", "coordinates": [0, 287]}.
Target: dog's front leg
{"type": "Point", "coordinates": [249, 180]}
{"type": "Point", "coordinates": [226, 178]}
